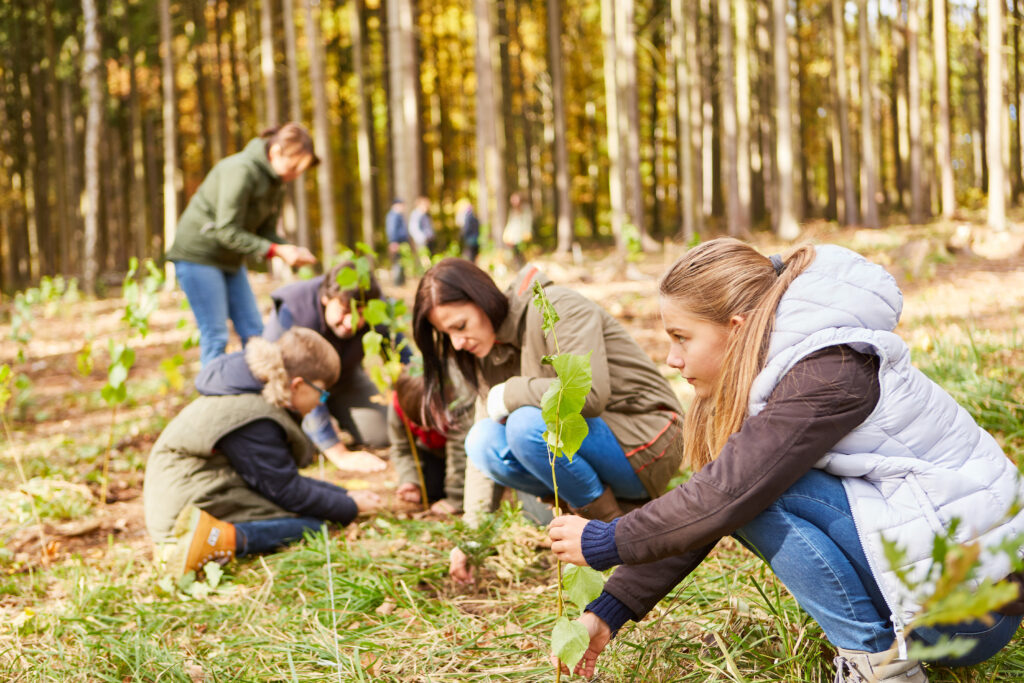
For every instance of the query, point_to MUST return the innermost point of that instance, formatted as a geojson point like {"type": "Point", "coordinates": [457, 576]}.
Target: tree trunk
{"type": "Point", "coordinates": [917, 198]}
{"type": "Point", "coordinates": [297, 192]}
{"type": "Point", "coordinates": [996, 171]}
{"type": "Point", "coordinates": [171, 179]}
{"type": "Point", "coordinates": [91, 76]}
{"type": "Point", "coordinates": [212, 48]}
{"type": "Point", "coordinates": [404, 110]}
{"type": "Point", "coordinates": [1015, 138]}
{"type": "Point", "coordinates": [563, 205]}
{"type": "Point", "coordinates": [491, 199]}
{"type": "Point", "coordinates": [842, 107]}
{"type": "Point", "coordinates": [981, 133]}
{"type": "Point", "coordinates": [682, 34]}
{"type": "Point", "coordinates": [785, 224]}
{"type": "Point", "coordinates": [63, 220]}
{"type": "Point", "coordinates": [868, 166]}
{"type": "Point", "coordinates": [364, 136]}
{"type": "Point", "coordinates": [195, 56]}
{"type": "Point", "coordinates": [616, 173]}
{"type": "Point", "coordinates": [727, 82]}
{"type": "Point", "coordinates": [629, 113]}
{"type": "Point", "coordinates": [943, 145]}
{"type": "Point", "coordinates": [743, 108]}
{"type": "Point", "coordinates": [321, 126]}
{"type": "Point", "coordinates": [272, 116]}
{"type": "Point", "coordinates": [139, 212]}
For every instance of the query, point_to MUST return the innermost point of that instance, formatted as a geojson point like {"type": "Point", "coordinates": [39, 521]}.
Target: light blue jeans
{"type": "Point", "coordinates": [215, 296]}
{"type": "Point", "coordinates": [809, 539]}
{"type": "Point", "coordinates": [514, 454]}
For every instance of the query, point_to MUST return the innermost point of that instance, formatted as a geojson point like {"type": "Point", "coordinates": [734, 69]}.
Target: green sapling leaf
{"type": "Point", "coordinates": [569, 641]}
{"type": "Point", "coordinates": [575, 377]}
{"type": "Point", "coordinates": [372, 341]}
{"type": "Point", "coordinates": [376, 312]}
{"type": "Point", "coordinates": [213, 573]}
{"type": "Point", "coordinates": [547, 311]}
{"type": "Point", "coordinates": [573, 430]}
{"type": "Point", "coordinates": [582, 584]}
{"type": "Point", "coordinates": [347, 278]}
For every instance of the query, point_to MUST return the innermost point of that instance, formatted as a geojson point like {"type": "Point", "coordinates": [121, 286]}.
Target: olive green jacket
{"type": "Point", "coordinates": [628, 392]}
{"type": "Point", "coordinates": [184, 469]}
{"type": "Point", "coordinates": [233, 213]}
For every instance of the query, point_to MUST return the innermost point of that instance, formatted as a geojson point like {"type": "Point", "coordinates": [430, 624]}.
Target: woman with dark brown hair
{"type": "Point", "coordinates": [495, 340]}
{"type": "Point", "coordinates": [232, 215]}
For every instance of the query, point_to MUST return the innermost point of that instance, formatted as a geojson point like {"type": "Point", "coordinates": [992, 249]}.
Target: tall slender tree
{"type": "Point", "coordinates": [563, 202]}
{"type": "Point", "coordinates": [616, 172]}
{"type": "Point", "coordinates": [321, 126]}
{"type": "Point", "coordinates": [91, 74]}
{"type": "Point", "coordinates": [741, 24]}
{"type": "Point", "coordinates": [364, 135]}
{"type": "Point", "coordinates": [994, 86]}
{"type": "Point", "coordinates": [681, 34]}
{"type": "Point", "coordinates": [785, 223]}
{"type": "Point", "coordinates": [490, 135]}
{"type": "Point", "coordinates": [842, 109]}
{"type": "Point", "coordinates": [868, 166]}
{"type": "Point", "coordinates": [299, 201]}
{"type": "Point", "coordinates": [169, 117]}
{"type": "Point", "coordinates": [914, 113]}
{"type": "Point", "coordinates": [272, 115]}
{"type": "Point", "coordinates": [943, 146]}
{"type": "Point", "coordinates": [727, 85]}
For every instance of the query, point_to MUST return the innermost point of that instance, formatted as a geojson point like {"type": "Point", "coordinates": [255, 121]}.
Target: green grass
{"type": "Point", "coordinates": [386, 611]}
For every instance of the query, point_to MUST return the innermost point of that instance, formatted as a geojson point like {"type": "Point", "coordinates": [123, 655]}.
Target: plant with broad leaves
{"type": "Point", "coordinates": [953, 593]}
{"type": "Point", "coordinates": [382, 351]}
{"type": "Point", "coordinates": [561, 407]}
{"type": "Point", "coordinates": [141, 299]}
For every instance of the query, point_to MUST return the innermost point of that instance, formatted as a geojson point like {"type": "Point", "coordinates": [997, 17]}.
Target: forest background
{"type": "Point", "coordinates": [623, 121]}
{"type": "Point", "coordinates": [630, 126]}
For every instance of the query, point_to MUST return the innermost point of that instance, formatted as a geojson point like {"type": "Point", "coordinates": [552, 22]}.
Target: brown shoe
{"type": "Point", "coordinates": [202, 538]}
{"type": "Point", "coordinates": [604, 507]}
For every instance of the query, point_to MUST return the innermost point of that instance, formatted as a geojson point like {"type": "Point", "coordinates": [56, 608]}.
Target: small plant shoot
{"type": "Point", "coordinates": [561, 406]}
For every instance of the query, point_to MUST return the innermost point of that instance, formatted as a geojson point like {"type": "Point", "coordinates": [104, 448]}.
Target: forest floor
{"type": "Point", "coordinates": [87, 582]}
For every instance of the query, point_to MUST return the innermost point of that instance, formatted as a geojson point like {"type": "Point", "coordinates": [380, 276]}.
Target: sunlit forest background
{"type": "Point", "coordinates": [623, 121]}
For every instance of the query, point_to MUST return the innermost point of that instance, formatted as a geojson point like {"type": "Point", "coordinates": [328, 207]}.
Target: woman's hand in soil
{"type": "Point", "coordinates": [600, 635]}
{"type": "Point", "coordinates": [294, 256]}
{"type": "Point", "coordinates": [366, 501]}
{"type": "Point", "coordinates": [409, 493]}
{"type": "Point", "coordinates": [458, 567]}
{"type": "Point", "coordinates": [565, 533]}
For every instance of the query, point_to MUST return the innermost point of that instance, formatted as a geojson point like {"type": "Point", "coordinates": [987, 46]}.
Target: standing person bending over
{"type": "Point", "coordinates": [495, 339]}
{"type": "Point", "coordinates": [232, 215]}
{"type": "Point", "coordinates": [398, 234]}
{"type": "Point", "coordinates": [320, 304]}
{"type": "Point", "coordinates": [421, 227]}
{"type": "Point", "coordinates": [223, 478]}
{"type": "Point", "coordinates": [813, 439]}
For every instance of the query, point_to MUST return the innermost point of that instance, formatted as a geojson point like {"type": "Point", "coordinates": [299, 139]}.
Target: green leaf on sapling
{"type": "Point", "coordinates": [582, 584]}
{"type": "Point", "coordinates": [569, 641]}
{"type": "Point", "coordinates": [347, 278]}
{"type": "Point", "coordinates": [372, 341]}
{"type": "Point", "coordinates": [576, 378]}
{"type": "Point", "coordinates": [573, 430]}
{"type": "Point", "coordinates": [213, 573]}
{"type": "Point", "coordinates": [118, 374]}
{"type": "Point", "coordinates": [547, 311]}
{"type": "Point", "coordinates": [376, 312]}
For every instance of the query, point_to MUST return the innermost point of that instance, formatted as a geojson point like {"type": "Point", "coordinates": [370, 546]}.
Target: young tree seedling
{"type": "Point", "coordinates": [382, 354]}
{"type": "Point", "coordinates": [561, 407]}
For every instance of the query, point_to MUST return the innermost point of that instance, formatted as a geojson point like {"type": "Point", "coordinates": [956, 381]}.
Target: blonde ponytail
{"type": "Point", "coordinates": [716, 281]}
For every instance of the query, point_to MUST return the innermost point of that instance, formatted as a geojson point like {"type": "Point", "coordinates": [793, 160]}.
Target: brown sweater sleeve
{"type": "Point", "coordinates": [817, 403]}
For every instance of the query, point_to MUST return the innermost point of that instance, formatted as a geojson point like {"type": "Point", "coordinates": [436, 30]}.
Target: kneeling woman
{"type": "Point", "coordinates": [813, 439]}
{"type": "Point", "coordinates": [634, 446]}
{"type": "Point", "coordinates": [223, 479]}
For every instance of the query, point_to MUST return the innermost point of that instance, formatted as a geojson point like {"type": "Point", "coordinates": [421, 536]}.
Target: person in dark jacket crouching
{"type": "Point", "coordinates": [223, 478]}
{"type": "Point", "coordinates": [322, 305]}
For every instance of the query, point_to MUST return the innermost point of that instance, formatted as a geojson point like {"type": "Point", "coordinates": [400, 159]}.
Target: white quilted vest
{"type": "Point", "coordinates": [919, 460]}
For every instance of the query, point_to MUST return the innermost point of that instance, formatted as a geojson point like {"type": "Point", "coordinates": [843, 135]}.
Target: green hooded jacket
{"type": "Point", "coordinates": [233, 213]}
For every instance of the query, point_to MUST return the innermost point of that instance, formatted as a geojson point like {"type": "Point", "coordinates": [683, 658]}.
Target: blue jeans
{"type": "Point", "coordinates": [809, 539]}
{"type": "Point", "coordinates": [267, 535]}
{"type": "Point", "coordinates": [514, 454]}
{"type": "Point", "coordinates": [214, 296]}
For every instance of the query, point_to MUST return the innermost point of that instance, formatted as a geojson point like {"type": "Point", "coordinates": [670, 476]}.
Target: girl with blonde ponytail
{"type": "Point", "coordinates": [812, 439]}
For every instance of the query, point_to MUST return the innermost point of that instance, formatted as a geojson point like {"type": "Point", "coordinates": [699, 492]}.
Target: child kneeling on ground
{"type": "Point", "coordinates": [442, 454]}
{"type": "Point", "coordinates": [223, 479]}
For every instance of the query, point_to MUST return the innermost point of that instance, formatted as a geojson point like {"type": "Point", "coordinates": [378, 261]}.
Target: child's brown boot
{"type": "Point", "coordinates": [202, 538]}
